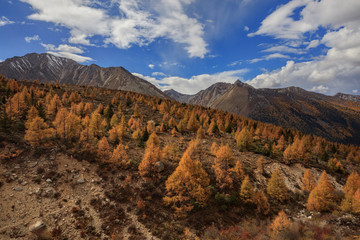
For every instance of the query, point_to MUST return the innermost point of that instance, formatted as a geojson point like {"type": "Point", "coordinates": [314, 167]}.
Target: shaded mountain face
{"type": "Point", "coordinates": [49, 68]}
{"type": "Point", "coordinates": [336, 118]}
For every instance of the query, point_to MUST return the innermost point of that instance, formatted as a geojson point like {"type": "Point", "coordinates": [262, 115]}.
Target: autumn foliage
{"type": "Point", "coordinates": [187, 185]}
{"type": "Point", "coordinates": [276, 187]}
{"type": "Point", "coordinates": [281, 223]}
{"type": "Point", "coordinates": [322, 198]}
{"type": "Point", "coordinates": [308, 181]}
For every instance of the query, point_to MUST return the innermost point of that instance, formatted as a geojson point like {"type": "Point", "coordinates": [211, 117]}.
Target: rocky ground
{"type": "Point", "coordinates": [51, 195]}
{"type": "Point", "coordinates": [55, 195]}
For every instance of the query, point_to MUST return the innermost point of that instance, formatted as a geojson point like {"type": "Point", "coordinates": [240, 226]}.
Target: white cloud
{"type": "Point", "coordinates": [33, 38]}
{"type": "Point", "coordinates": [355, 91]}
{"type": "Point", "coordinates": [320, 89]}
{"type": "Point", "coordinates": [284, 49]}
{"type": "Point", "coordinates": [151, 66]}
{"type": "Point", "coordinates": [67, 51]}
{"type": "Point", "coordinates": [138, 23]}
{"type": "Point", "coordinates": [5, 21]}
{"type": "Point", "coordinates": [1, 60]}
{"type": "Point", "coordinates": [280, 23]}
{"type": "Point", "coordinates": [239, 62]}
{"type": "Point", "coordinates": [268, 57]}
{"type": "Point", "coordinates": [246, 28]}
{"type": "Point", "coordinates": [313, 44]}
{"type": "Point", "coordinates": [195, 83]}
{"type": "Point", "coordinates": [158, 74]}
{"type": "Point", "coordinates": [339, 66]}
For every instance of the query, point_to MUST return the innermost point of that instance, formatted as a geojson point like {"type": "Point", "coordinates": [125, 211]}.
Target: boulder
{"type": "Point", "coordinates": [160, 166]}
{"type": "Point", "coordinates": [48, 192]}
{"type": "Point", "coordinates": [37, 227]}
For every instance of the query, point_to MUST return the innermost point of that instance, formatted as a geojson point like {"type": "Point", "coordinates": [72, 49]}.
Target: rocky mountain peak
{"type": "Point", "coordinates": [49, 68]}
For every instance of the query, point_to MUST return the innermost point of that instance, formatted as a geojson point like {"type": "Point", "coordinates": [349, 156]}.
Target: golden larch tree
{"type": "Point", "coordinates": [73, 124]}
{"type": "Point", "coordinates": [247, 190]}
{"type": "Point", "coordinates": [148, 168]}
{"type": "Point", "coordinates": [352, 184]}
{"type": "Point", "coordinates": [60, 123]}
{"type": "Point", "coordinates": [104, 150]}
{"type": "Point", "coordinates": [262, 203]}
{"type": "Point", "coordinates": [96, 127]}
{"type": "Point", "coordinates": [277, 188]}
{"type": "Point", "coordinates": [188, 185]}
{"type": "Point", "coordinates": [32, 113]}
{"type": "Point", "coordinates": [308, 181]}
{"type": "Point", "coordinates": [193, 123]}
{"type": "Point", "coordinates": [38, 131]}
{"type": "Point", "coordinates": [356, 203]}
{"type": "Point", "coordinates": [119, 156]}
{"type": "Point", "coordinates": [322, 198]}
{"type": "Point", "coordinates": [281, 223]}
{"type": "Point", "coordinates": [222, 164]}
{"type": "Point", "coordinates": [243, 139]}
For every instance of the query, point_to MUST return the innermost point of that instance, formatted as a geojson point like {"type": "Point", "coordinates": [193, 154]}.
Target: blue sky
{"type": "Point", "coordinates": [189, 45]}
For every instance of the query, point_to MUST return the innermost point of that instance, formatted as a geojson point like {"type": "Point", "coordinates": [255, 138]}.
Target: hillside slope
{"type": "Point", "coordinates": [85, 167]}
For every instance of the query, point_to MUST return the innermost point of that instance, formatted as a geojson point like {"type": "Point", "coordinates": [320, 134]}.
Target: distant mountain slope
{"type": "Point", "coordinates": [177, 96]}
{"type": "Point", "coordinates": [336, 118]}
{"type": "Point", "coordinates": [348, 97]}
{"type": "Point", "coordinates": [49, 68]}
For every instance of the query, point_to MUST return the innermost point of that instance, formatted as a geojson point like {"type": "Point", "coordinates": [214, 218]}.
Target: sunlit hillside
{"type": "Point", "coordinates": [81, 162]}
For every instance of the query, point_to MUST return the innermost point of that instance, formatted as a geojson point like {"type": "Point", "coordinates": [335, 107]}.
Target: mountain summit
{"type": "Point", "coordinates": [50, 68]}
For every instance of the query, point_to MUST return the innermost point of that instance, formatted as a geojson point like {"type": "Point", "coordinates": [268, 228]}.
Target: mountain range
{"type": "Point", "coordinates": [50, 68]}
{"type": "Point", "coordinates": [336, 118]}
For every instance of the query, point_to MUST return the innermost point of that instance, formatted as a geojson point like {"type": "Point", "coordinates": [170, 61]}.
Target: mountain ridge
{"type": "Point", "coordinates": [47, 67]}
{"type": "Point", "coordinates": [337, 118]}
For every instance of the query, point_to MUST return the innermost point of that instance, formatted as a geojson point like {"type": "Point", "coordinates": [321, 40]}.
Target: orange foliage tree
{"type": "Point", "coordinates": [262, 203]}
{"type": "Point", "coordinates": [222, 164]}
{"type": "Point", "coordinates": [119, 156]}
{"type": "Point", "coordinates": [308, 181]}
{"type": "Point", "coordinates": [104, 150]}
{"type": "Point", "coordinates": [38, 132]}
{"type": "Point", "coordinates": [247, 191]}
{"type": "Point", "coordinates": [281, 223]}
{"type": "Point", "coordinates": [148, 166]}
{"type": "Point", "coordinates": [350, 202]}
{"type": "Point", "coordinates": [188, 185]}
{"type": "Point", "coordinates": [276, 187]}
{"type": "Point", "coordinates": [322, 198]}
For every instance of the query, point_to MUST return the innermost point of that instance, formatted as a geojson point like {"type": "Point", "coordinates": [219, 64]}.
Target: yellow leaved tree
{"type": "Point", "coordinates": [322, 198]}
{"type": "Point", "coordinates": [276, 187]}
{"type": "Point", "coordinates": [187, 186]}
